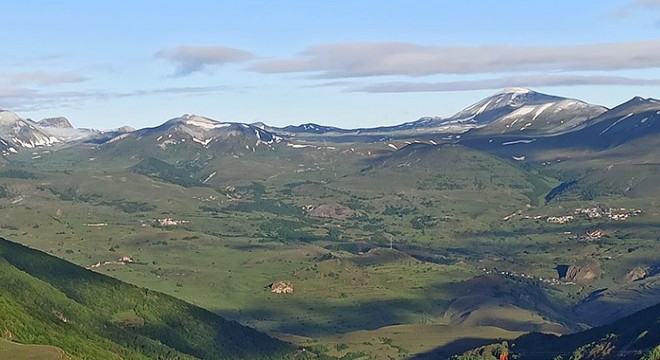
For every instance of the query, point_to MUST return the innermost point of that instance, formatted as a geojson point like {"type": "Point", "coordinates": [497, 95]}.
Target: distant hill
{"type": "Point", "coordinates": [45, 300]}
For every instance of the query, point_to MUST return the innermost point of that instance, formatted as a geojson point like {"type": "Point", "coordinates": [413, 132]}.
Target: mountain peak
{"type": "Point", "coordinates": [502, 103]}
{"type": "Point", "coordinates": [56, 122]}
{"type": "Point", "coordinates": [8, 118]}
{"type": "Point", "coordinates": [516, 90]}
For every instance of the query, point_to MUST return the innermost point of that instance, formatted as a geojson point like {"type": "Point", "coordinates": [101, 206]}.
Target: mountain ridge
{"type": "Point", "coordinates": [512, 111]}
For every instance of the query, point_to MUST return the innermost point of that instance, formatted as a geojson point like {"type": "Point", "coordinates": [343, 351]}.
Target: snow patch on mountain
{"type": "Point", "coordinates": [615, 123]}
{"type": "Point", "coordinates": [522, 141]}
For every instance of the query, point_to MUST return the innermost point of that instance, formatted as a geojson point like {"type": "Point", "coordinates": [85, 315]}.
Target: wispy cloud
{"type": "Point", "coordinates": [365, 59]}
{"type": "Point", "coordinates": [7, 91]}
{"type": "Point", "coordinates": [503, 82]}
{"type": "Point", "coordinates": [18, 98]}
{"type": "Point", "coordinates": [190, 59]}
{"type": "Point", "coordinates": [42, 78]}
{"type": "Point", "coordinates": [636, 6]}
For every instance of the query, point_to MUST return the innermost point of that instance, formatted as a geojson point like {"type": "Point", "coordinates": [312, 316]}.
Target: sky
{"type": "Point", "coordinates": [346, 63]}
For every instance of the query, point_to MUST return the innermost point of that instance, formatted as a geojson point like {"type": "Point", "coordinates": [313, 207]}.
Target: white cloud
{"type": "Point", "coordinates": [503, 82]}
{"type": "Point", "coordinates": [190, 59]}
{"type": "Point", "coordinates": [364, 59]}
{"type": "Point", "coordinates": [42, 78]}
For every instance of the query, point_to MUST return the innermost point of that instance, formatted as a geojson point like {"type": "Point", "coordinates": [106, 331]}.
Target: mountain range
{"type": "Point", "coordinates": [513, 116]}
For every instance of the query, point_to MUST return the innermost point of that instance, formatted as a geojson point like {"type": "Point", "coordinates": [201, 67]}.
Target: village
{"type": "Point", "coordinates": [592, 213]}
{"type": "Point", "coordinates": [515, 275]}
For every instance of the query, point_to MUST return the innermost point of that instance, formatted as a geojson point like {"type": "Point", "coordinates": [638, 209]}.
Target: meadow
{"type": "Point", "coordinates": [380, 246]}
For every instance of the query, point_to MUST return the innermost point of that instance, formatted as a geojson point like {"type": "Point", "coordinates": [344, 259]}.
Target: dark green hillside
{"type": "Point", "coordinates": [634, 337]}
{"type": "Point", "coordinates": [454, 168]}
{"type": "Point", "coordinates": [45, 300]}
{"type": "Point", "coordinates": [161, 170]}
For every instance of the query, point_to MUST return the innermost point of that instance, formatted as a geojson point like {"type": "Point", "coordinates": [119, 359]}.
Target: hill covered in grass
{"type": "Point", "coordinates": [45, 300]}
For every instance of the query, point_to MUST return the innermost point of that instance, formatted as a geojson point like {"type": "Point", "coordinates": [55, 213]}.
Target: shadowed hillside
{"type": "Point", "coordinates": [634, 337]}
{"type": "Point", "coordinates": [46, 300]}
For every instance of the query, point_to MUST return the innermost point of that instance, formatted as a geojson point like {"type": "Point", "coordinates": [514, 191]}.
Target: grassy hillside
{"type": "Point", "coordinates": [11, 350]}
{"type": "Point", "coordinates": [45, 300]}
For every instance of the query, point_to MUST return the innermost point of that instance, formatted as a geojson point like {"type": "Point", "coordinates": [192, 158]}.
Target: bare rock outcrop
{"type": "Point", "coordinates": [331, 211]}
{"type": "Point", "coordinates": [582, 271]}
{"type": "Point", "coordinates": [638, 273]}
{"type": "Point", "coordinates": [281, 287]}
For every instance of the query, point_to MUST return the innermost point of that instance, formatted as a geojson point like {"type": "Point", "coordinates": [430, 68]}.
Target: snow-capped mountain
{"type": "Point", "coordinates": [17, 133]}
{"type": "Point", "coordinates": [61, 128]}
{"type": "Point", "coordinates": [624, 124]}
{"type": "Point", "coordinates": [631, 120]}
{"type": "Point", "coordinates": [508, 111]}
{"type": "Point", "coordinates": [203, 132]}
{"type": "Point", "coordinates": [522, 110]}
{"type": "Point", "coordinates": [55, 123]}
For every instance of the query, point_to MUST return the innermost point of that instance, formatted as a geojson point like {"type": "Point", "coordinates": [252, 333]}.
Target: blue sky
{"type": "Point", "coordinates": [343, 63]}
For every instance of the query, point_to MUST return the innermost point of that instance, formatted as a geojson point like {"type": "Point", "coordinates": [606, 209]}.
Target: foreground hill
{"type": "Point", "coordinates": [46, 300]}
{"type": "Point", "coordinates": [634, 337]}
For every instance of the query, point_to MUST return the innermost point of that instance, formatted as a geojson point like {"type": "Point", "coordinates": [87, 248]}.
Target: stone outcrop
{"type": "Point", "coordinates": [281, 287]}
{"type": "Point", "coordinates": [638, 273]}
{"type": "Point", "coordinates": [583, 271]}
{"type": "Point", "coordinates": [332, 211]}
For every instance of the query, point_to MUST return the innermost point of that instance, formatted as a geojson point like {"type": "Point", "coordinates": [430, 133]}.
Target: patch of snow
{"type": "Point", "coordinates": [644, 120]}
{"type": "Point", "coordinates": [615, 123]}
{"type": "Point", "coordinates": [518, 114]}
{"type": "Point", "coordinates": [159, 138]}
{"type": "Point", "coordinates": [541, 109]}
{"type": "Point", "coordinates": [204, 142]}
{"type": "Point", "coordinates": [201, 122]}
{"type": "Point", "coordinates": [523, 141]}
{"type": "Point", "coordinates": [298, 146]}
{"type": "Point", "coordinates": [164, 144]}
{"type": "Point", "coordinates": [209, 177]}
{"type": "Point", "coordinates": [483, 108]}
{"type": "Point", "coordinates": [12, 150]}
{"type": "Point", "coordinates": [516, 90]}
{"type": "Point", "coordinates": [117, 138]}
{"type": "Point", "coordinates": [519, 158]}
{"type": "Point", "coordinates": [393, 146]}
